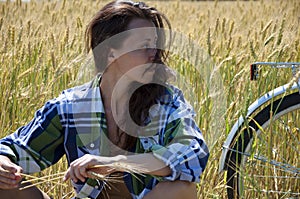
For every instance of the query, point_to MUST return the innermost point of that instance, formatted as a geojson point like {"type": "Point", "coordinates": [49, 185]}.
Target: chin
{"type": "Point", "coordinates": [146, 79]}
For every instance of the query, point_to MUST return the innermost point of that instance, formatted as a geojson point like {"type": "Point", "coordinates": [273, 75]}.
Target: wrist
{"type": "Point", "coordinates": [117, 162]}
{"type": "Point", "coordinates": [120, 158]}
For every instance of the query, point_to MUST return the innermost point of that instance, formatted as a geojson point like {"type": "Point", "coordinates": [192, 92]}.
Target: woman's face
{"type": "Point", "coordinates": [137, 52]}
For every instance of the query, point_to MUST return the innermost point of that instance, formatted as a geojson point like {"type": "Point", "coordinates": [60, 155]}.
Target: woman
{"type": "Point", "coordinates": [128, 115]}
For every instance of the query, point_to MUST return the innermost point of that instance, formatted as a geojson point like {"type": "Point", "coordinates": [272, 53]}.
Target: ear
{"type": "Point", "coordinates": [111, 56]}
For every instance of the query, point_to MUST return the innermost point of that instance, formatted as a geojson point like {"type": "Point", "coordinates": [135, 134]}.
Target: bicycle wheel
{"type": "Point", "coordinates": [263, 161]}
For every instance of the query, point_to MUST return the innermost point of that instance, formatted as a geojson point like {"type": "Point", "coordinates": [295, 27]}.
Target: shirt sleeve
{"type": "Point", "coordinates": [182, 146]}
{"type": "Point", "coordinates": [38, 144]}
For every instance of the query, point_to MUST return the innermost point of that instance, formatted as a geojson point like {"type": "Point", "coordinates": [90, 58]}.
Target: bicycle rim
{"type": "Point", "coordinates": [264, 159]}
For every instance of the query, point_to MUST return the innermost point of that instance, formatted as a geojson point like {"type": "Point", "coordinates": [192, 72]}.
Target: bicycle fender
{"type": "Point", "coordinates": [254, 106]}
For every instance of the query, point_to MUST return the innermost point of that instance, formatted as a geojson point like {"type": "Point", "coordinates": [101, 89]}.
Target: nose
{"type": "Point", "coordinates": [152, 53]}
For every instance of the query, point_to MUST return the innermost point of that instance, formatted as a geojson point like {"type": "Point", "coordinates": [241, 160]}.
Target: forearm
{"type": "Point", "coordinates": [146, 163]}
{"type": "Point", "coordinates": [140, 163]}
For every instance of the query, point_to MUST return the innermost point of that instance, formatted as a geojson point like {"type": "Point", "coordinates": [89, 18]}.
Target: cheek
{"type": "Point", "coordinates": [138, 56]}
{"type": "Point", "coordinates": [142, 73]}
{"type": "Point", "coordinates": [131, 61]}
{"type": "Point", "coordinates": [134, 59]}
{"type": "Point", "coordinates": [124, 63]}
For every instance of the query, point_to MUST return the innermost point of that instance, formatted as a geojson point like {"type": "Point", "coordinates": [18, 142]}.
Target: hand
{"type": "Point", "coordinates": [79, 168]}
{"type": "Point", "coordinates": [10, 173]}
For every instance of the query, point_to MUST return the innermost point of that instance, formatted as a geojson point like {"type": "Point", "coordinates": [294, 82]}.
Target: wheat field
{"type": "Point", "coordinates": [42, 45]}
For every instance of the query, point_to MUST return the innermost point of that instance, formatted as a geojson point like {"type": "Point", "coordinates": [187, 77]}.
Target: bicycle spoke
{"type": "Point", "coordinates": [263, 160]}
{"type": "Point", "coordinates": [281, 177]}
{"type": "Point", "coordinates": [269, 168]}
{"type": "Point", "coordinates": [283, 166]}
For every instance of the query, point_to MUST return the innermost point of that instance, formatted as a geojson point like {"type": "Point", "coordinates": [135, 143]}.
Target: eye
{"type": "Point", "coordinates": [146, 46]}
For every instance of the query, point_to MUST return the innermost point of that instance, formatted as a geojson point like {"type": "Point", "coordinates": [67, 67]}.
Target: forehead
{"type": "Point", "coordinates": [142, 29]}
{"type": "Point", "coordinates": [139, 23]}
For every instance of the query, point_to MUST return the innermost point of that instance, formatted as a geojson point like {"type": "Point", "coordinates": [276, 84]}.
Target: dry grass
{"type": "Point", "coordinates": [42, 45]}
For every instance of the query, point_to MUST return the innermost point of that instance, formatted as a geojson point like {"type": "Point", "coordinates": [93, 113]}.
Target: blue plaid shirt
{"type": "Point", "coordinates": [74, 124]}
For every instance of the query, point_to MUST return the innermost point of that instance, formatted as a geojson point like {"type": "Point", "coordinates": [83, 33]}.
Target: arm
{"type": "Point", "coordinates": [148, 163]}
{"type": "Point", "coordinates": [141, 163]}
{"type": "Point", "coordinates": [181, 145]}
{"type": "Point", "coordinates": [38, 144]}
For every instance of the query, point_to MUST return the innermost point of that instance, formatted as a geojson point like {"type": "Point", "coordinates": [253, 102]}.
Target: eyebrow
{"type": "Point", "coordinates": [149, 39]}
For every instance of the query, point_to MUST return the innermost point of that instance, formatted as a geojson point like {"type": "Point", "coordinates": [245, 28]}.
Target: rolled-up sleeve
{"type": "Point", "coordinates": [38, 144]}
{"type": "Point", "coordinates": [182, 146]}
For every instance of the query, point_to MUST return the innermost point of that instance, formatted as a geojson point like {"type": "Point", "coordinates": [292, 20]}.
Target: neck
{"type": "Point", "coordinates": [114, 90]}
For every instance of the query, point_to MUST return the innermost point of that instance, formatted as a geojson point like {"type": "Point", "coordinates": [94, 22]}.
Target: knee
{"type": "Point", "coordinates": [182, 189]}
{"type": "Point", "coordinates": [31, 192]}
{"type": "Point", "coordinates": [185, 185]}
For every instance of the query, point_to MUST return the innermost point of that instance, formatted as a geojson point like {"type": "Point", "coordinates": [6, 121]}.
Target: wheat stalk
{"type": "Point", "coordinates": [294, 80]}
{"type": "Point", "coordinates": [34, 178]}
{"type": "Point", "coordinates": [34, 181]}
{"type": "Point", "coordinates": [34, 72]}
{"type": "Point", "coordinates": [119, 166]}
{"type": "Point", "coordinates": [105, 178]}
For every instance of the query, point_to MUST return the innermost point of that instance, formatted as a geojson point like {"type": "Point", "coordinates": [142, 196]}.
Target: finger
{"type": "Point", "coordinates": [8, 186]}
{"type": "Point", "coordinates": [83, 171]}
{"type": "Point", "coordinates": [18, 177]}
{"type": "Point", "coordinates": [103, 170]}
{"type": "Point", "coordinates": [77, 173]}
{"type": "Point", "coordinates": [7, 174]}
{"type": "Point", "coordinates": [66, 176]}
{"type": "Point", "coordinates": [79, 169]}
{"type": "Point", "coordinates": [13, 168]}
{"type": "Point", "coordinates": [11, 171]}
{"type": "Point", "coordinates": [72, 175]}
{"type": "Point", "coordinates": [84, 167]}
{"type": "Point", "coordinates": [8, 183]}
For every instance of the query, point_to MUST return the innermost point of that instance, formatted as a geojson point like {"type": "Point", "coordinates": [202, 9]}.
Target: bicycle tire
{"type": "Point", "coordinates": [243, 152]}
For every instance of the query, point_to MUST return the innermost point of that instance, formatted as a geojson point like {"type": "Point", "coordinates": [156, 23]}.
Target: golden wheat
{"type": "Point", "coordinates": [41, 44]}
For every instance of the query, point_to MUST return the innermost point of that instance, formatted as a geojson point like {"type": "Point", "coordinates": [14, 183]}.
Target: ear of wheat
{"type": "Point", "coordinates": [119, 166]}
{"type": "Point", "coordinates": [56, 178]}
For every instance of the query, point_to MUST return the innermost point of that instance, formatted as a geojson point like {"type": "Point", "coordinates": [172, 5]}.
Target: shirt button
{"type": "Point", "coordinates": [92, 145]}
